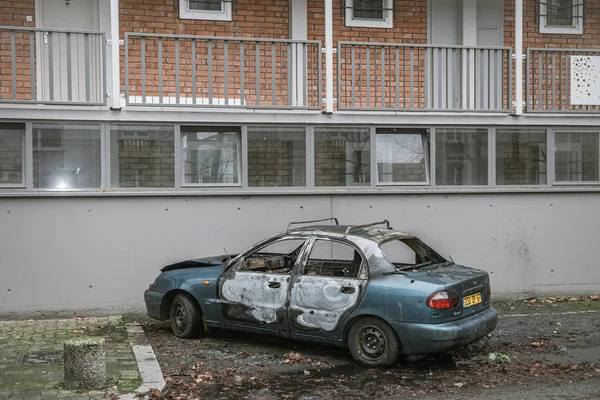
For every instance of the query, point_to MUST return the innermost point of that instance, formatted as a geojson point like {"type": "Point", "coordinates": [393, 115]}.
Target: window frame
{"type": "Point", "coordinates": [507, 130]}
{"type": "Point", "coordinates": [24, 159]}
{"type": "Point", "coordinates": [224, 15]}
{"type": "Point", "coordinates": [237, 262]}
{"type": "Point", "coordinates": [246, 154]}
{"type": "Point", "coordinates": [326, 129]}
{"type": "Point", "coordinates": [242, 169]}
{"type": "Point", "coordinates": [27, 189]}
{"type": "Point", "coordinates": [555, 146]}
{"type": "Point", "coordinates": [387, 22]}
{"type": "Point", "coordinates": [577, 19]}
{"type": "Point", "coordinates": [33, 145]}
{"type": "Point", "coordinates": [426, 140]}
{"type": "Point", "coordinates": [119, 129]}
{"type": "Point", "coordinates": [363, 271]}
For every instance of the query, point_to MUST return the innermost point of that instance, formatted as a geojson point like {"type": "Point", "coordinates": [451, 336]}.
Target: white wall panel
{"type": "Point", "coordinates": [89, 252]}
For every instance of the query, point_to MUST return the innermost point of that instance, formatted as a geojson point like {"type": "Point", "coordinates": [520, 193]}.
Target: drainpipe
{"type": "Point", "coordinates": [115, 103]}
{"type": "Point", "coordinates": [518, 57]}
{"type": "Point", "coordinates": [329, 56]}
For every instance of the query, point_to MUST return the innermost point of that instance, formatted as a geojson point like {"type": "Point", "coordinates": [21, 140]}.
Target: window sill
{"type": "Point", "coordinates": [228, 191]}
{"type": "Point", "coordinates": [365, 23]}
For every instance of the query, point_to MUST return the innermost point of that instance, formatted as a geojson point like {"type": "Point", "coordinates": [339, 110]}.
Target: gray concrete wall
{"type": "Point", "coordinates": [103, 252]}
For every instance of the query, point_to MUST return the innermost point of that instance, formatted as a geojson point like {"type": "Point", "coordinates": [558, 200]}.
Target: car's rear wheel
{"type": "Point", "coordinates": [373, 343]}
{"type": "Point", "coordinates": [185, 317]}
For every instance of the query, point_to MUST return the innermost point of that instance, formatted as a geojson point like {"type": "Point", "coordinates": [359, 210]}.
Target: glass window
{"type": "Point", "coordinates": [277, 257]}
{"type": "Point", "coordinates": [521, 156]}
{"type": "Point", "coordinates": [342, 157]}
{"type": "Point", "coordinates": [206, 5]}
{"type": "Point", "coordinates": [66, 156]}
{"type": "Point", "coordinates": [218, 10]}
{"type": "Point", "coordinates": [561, 16]}
{"type": "Point", "coordinates": [331, 258]}
{"type": "Point", "coordinates": [12, 142]}
{"type": "Point", "coordinates": [142, 156]}
{"type": "Point", "coordinates": [276, 157]}
{"type": "Point", "coordinates": [576, 156]}
{"type": "Point", "coordinates": [461, 156]}
{"type": "Point", "coordinates": [559, 12]}
{"type": "Point", "coordinates": [369, 13]}
{"type": "Point", "coordinates": [210, 155]}
{"type": "Point", "coordinates": [402, 155]}
{"type": "Point", "coordinates": [368, 9]}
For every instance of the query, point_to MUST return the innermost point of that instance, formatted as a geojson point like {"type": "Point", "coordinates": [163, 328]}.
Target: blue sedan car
{"type": "Point", "coordinates": [375, 290]}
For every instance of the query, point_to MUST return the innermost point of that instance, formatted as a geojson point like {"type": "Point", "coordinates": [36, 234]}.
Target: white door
{"type": "Point", "coordinates": [465, 78]}
{"type": "Point", "coordinates": [69, 68]}
{"type": "Point", "coordinates": [445, 20]}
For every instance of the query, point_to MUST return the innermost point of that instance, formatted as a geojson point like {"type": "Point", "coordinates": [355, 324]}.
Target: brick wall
{"type": "Point", "coordinates": [270, 163]}
{"type": "Point", "coordinates": [402, 172]}
{"type": "Point", "coordinates": [559, 73]}
{"type": "Point", "coordinates": [146, 163]}
{"type": "Point", "coordinates": [269, 19]}
{"type": "Point", "coordinates": [342, 157]}
{"type": "Point", "coordinates": [251, 19]}
{"type": "Point", "coordinates": [13, 13]}
{"type": "Point", "coordinates": [521, 157]}
{"type": "Point", "coordinates": [410, 27]}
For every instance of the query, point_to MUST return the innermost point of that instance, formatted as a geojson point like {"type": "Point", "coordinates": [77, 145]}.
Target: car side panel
{"type": "Point", "coordinates": [318, 303]}
{"type": "Point", "coordinates": [393, 298]}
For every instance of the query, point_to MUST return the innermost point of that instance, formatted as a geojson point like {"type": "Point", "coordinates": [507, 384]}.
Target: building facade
{"type": "Point", "coordinates": [136, 133]}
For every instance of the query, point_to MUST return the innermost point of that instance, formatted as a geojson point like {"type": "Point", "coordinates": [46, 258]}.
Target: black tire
{"type": "Point", "coordinates": [185, 317]}
{"type": "Point", "coordinates": [373, 343]}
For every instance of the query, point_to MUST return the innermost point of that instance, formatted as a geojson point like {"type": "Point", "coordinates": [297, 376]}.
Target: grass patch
{"type": "Point", "coordinates": [128, 385]}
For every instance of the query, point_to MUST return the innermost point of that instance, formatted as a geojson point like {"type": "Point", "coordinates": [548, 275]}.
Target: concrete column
{"type": "Point", "coordinates": [115, 104]}
{"type": "Point", "coordinates": [298, 31]}
{"type": "Point", "coordinates": [85, 363]}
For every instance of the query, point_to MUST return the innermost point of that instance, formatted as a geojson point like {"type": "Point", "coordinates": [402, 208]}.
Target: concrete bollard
{"type": "Point", "coordinates": [85, 363]}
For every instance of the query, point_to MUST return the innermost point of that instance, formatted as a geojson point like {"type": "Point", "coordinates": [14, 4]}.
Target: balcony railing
{"type": "Point", "coordinates": [562, 80]}
{"type": "Point", "coordinates": [179, 70]}
{"type": "Point", "coordinates": [386, 76]}
{"type": "Point", "coordinates": [52, 66]}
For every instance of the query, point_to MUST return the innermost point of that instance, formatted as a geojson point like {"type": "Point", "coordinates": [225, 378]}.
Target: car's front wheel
{"type": "Point", "coordinates": [185, 317]}
{"type": "Point", "coordinates": [373, 343]}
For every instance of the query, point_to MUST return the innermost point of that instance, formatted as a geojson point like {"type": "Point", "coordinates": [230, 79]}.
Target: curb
{"type": "Point", "coordinates": [150, 372]}
{"type": "Point", "coordinates": [536, 314]}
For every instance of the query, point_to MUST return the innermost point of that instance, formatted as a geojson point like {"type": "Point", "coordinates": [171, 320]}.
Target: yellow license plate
{"type": "Point", "coordinates": [471, 300]}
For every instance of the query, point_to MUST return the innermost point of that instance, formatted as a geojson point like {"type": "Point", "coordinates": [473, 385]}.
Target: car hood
{"type": "Point", "coordinates": [213, 261]}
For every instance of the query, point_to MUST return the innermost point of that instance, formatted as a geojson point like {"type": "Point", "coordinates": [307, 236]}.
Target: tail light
{"type": "Point", "coordinates": [442, 299]}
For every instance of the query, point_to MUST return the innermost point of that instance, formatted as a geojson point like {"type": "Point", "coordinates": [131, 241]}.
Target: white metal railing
{"type": "Point", "coordinates": [388, 76]}
{"type": "Point", "coordinates": [52, 66]}
{"type": "Point", "coordinates": [200, 71]}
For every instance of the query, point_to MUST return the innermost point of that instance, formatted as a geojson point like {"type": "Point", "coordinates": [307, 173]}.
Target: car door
{"type": "Point", "coordinates": [329, 284]}
{"type": "Point", "coordinates": [253, 293]}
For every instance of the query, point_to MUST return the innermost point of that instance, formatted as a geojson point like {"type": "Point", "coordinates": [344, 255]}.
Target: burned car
{"type": "Point", "coordinates": [379, 292]}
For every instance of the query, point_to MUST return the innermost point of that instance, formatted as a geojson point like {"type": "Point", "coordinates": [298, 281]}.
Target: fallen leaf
{"type": "Point", "coordinates": [243, 354]}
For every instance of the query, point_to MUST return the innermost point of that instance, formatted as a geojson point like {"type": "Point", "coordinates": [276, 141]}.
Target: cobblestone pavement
{"type": "Point", "coordinates": [31, 357]}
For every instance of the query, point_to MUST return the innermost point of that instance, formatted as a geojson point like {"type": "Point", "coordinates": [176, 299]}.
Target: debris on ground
{"type": "Point", "coordinates": [524, 349]}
